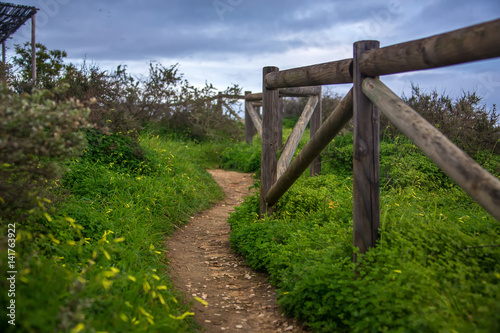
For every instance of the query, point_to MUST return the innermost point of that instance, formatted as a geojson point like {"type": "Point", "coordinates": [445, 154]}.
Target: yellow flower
{"type": "Point", "coordinates": [202, 301]}
{"type": "Point", "coordinates": [187, 313]}
{"type": "Point", "coordinates": [156, 277]}
{"type": "Point", "coordinates": [146, 286]}
{"type": "Point", "coordinates": [141, 309]}
{"type": "Point", "coordinates": [118, 240]}
{"type": "Point", "coordinates": [53, 239]}
{"type": "Point", "coordinates": [130, 277]}
{"type": "Point", "coordinates": [123, 317]}
{"type": "Point", "coordinates": [161, 288]}
{"type": "Point", "coordinates": [397, 271]}
{"type": "Point", "coordinates": [106, 283]}
{"type": "Point", "coordinates": [47, 216]}
{"type": "Point", "coordinates": [78, 328]}
{"type": "Point", "coordinates": [106, 254]}
{"type": "Point", "coordinates": [332, 205]}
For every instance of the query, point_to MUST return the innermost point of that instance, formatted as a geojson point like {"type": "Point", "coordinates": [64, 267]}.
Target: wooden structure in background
{"type": "Point", "coordinates": [363, 102]}
{"type": "Point", "coordinates": [12, 17]}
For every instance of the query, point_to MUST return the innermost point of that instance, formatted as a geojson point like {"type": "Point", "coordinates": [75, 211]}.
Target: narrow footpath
{"type": "Point", "coordinates": [203, 265]}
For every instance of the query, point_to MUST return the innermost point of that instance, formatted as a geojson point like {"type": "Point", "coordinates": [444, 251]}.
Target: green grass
{"type": "Point", "coordinates": [94, 260]}
{"type": "Point", "coordinates": [436, 267]}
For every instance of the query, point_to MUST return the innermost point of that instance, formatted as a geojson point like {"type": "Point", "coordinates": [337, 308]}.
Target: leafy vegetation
{"type": "Point", "coordinates": [88, 197]}
{"type": "Point", "coordinates": [101, 249]}
{"type": "Point", "coordinates": [436, 266]}
{"type": "Point", "coordinates": [95, 187]}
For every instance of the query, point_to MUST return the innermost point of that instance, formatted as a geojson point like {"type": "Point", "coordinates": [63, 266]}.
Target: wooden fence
{"type": "Point", "coordinates": [362, 103]}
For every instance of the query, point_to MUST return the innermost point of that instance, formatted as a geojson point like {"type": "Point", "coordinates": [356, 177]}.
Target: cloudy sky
{"type": "Point", "coordinates": [227, 42]}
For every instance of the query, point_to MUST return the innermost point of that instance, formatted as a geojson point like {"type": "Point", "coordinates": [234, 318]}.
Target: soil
{"type": "Point", "coordinates": [202, 264]}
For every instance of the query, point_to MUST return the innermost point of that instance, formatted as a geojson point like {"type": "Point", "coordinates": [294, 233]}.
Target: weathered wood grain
{"type": "Point", "coordinates": [315, 124]}
{"type": "Point", "coordinates": [270, 133]}
{"type": "Point", "coordinates": [254, 116]}
{"type": "Point", "coordinates": [481, 41]}
{"type": "Point", "coordinates": [250, 129]}
{"type": "Point", "coordinates": [315, 75]}
{"type": "Point", "coordinates": [366, 201]}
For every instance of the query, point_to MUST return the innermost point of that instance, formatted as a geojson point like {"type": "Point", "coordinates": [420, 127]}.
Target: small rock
{"type": "Point", "coordinates": [239, 326]}
{"type": "Point", "coordinates": [289, 328]}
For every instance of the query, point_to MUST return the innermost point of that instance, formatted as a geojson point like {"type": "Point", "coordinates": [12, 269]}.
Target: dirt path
{"type": "Point", "coordinates": [203, 265]}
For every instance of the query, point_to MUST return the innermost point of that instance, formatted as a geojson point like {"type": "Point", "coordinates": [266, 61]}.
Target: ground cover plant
{"type": "Point", "coordinates": [89, 195]}
{"type": "Point", "coordinates": [96, 258]}
{"type": "Point", "coordinates": [436, 267]}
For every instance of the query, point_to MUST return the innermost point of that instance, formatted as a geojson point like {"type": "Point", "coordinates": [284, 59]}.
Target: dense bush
{"type": "Point", "coordinates": [465, 121]}
{"type": "Point", "coordinates": [120, 102]}
{"type": "Point", "coordinates": [36, 134]}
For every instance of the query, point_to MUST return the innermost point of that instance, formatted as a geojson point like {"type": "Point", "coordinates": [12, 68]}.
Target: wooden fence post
{"type": "Point", "coordinates": [281, 110]}
{"type": "Point", "coordinates": [315, 124]}
{"type": "Point", "coordinates": [366, 201]}
{"type": "Point", "coordinates": [250, 129]}
{"type": "Point", "coordinates": [33, 50]}
{"type": "Point", "coordinates": [270, 140]}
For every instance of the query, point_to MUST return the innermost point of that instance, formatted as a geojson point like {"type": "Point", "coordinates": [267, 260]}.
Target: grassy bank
{"type": "Point", "coordinates": [92, 257]}
{"type": "Point", "coordinates": [436, 267]}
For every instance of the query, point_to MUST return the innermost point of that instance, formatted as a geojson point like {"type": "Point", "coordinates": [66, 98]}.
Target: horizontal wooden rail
{"type": "Point", "coordinates": [325, 134]}
{"type": "Point", "coordinates": [288, 92]}
{"type": "Point", "coordinates": [227, 96]}
{"type": "Point", "coordinates": [481, 41]}
{"type": "Point", "coordinates": [300, 91]}
{"type": "Point", "coordinates": [297, 132]}
{"type": "Point", "coordinates": [477, 42]}
{"type": "Point", "coordinates": [315, 75]}
{"type": "Point", "coordinates": [257, 97]}
{"type": "Point", "coordinates": [482, 186]}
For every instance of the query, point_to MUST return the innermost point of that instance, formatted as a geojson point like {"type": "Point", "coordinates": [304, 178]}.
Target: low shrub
{"type": "Point", "coordinates": [96, 258]}
{"type": "Point", "coordinates": [242, 157]}
{"type": "Point", "coordinates": [435, 268]}
{"type": "Point", "coordinates": [37, 134]}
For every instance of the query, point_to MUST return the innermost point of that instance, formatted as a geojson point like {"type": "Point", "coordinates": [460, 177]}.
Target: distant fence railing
{"type": "Point", "coordinates": [362, 103]}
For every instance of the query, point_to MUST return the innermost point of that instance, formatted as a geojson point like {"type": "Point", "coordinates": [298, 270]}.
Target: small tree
{"type": "Point", "coordinates": [49, 67]}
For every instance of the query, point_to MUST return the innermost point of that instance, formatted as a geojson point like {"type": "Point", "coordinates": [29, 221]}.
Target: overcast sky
{"type": "Point", "coordinates": [227, 42]}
